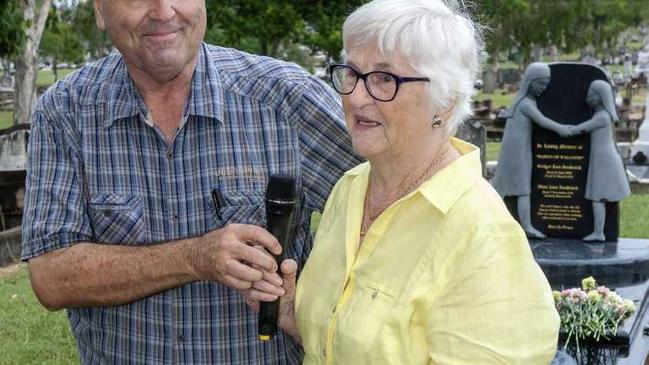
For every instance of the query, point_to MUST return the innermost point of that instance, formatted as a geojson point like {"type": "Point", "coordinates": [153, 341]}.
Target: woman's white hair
{"type": "Point", "coordinates": [435, 37]}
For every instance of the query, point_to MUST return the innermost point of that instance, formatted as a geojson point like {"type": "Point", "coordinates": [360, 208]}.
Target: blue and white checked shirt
{"type": "Point", "coordinates": [98, 171]}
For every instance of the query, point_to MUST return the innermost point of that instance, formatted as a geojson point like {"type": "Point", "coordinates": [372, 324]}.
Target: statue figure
{"type": "Point", "coordinates": [607, 181]}
{"type": "Point", "coordinates": [514, 171]}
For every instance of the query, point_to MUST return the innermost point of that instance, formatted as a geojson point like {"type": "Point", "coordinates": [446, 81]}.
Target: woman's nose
{"type": "Point", "coordinates": [360, 95]}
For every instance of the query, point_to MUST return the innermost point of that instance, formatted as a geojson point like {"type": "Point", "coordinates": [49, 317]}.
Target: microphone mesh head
{"type": "Point", "coordinates": [281, 187]}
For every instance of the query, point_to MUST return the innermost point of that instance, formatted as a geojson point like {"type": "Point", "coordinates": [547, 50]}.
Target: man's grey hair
{"type": "Point", "coordinates": [437, 39]}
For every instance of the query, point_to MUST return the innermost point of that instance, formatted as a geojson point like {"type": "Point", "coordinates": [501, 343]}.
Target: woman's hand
{"type": "Point", "coordinates": [286, 320]}
{"type": "Point", "coordinates": [565, 131]}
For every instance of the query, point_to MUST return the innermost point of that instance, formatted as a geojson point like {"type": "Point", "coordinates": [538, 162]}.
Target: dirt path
{"type": "Point", "coordinates": [11, 269]}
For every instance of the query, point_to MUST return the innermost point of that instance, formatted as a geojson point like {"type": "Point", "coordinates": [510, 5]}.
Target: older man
{"type": "Point", "coordinates": [145, 186]}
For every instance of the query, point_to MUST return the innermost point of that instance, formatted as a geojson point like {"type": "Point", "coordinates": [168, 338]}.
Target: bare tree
{"type": "Point", "coordinates": [35, 15]}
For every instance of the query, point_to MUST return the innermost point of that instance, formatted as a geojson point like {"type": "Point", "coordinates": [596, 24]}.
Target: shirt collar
{"type": "Point", "coordinates": [444, 188]}
{"type": "Point", "coordinates": [447, 186]}
{"type": "Point", "coordinates": [205, 95]}
{"type": "Point", "coordinates": [122, 98]}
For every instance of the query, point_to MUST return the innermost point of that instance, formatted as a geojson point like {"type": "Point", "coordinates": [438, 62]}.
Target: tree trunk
{"type": "Point", "coordinates": [490, 76]}
{"type": "Point", "coordinates": [27, 63]}
{"type": "Point", "coordinates": [55, 69]}
{"type": "Point", "coordinates": [274, 50]}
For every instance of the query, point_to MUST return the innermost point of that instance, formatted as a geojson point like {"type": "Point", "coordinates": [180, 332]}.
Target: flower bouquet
{"type": "Point", "coordinates": [590, 314]}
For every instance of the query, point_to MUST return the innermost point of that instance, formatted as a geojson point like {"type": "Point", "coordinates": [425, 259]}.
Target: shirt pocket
{"type": "Point", "coordinates": [117, 218]}
{"type": "Point", "coordinates": [244, 207]}
{"type": "Point", "coordinates": [369, 309]}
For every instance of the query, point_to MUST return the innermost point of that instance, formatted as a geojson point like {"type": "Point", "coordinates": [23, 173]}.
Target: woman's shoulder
{"type": "Point", "coordinates": [343, 186]}
{"type": "Point", "coordinates": [482, 206]}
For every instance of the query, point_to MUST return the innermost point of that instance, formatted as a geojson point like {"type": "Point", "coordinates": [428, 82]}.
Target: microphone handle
{"type": "Point", "coordinates": [278, 226]}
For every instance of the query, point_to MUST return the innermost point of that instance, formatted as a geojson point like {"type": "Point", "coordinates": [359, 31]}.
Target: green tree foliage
{"type": "Point", "coordinates": [275, 27]}
{"type": "Point", "coordinates": [325, 19]}
{"type": "Point", "coordinates": [60, 41]}
{"type": "Point", "coordinates": [94, 42]}
{"type": "Point", "coordinates": [12, 35]}
{"type": "Point", "coordinates": [567, 24]}
{"type": "Point", "coordinates": [257, 26]}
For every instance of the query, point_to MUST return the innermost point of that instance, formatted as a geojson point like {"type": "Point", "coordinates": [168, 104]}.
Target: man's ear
{"type": "Point", "coordinates": [99, 17]}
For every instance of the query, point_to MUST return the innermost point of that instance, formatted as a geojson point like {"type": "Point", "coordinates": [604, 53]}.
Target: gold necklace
{"type": "Point", "coordinates": [368, 217]}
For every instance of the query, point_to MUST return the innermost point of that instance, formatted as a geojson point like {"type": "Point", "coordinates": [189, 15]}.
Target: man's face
{"type": "Point", "coordinates": [159, 37]}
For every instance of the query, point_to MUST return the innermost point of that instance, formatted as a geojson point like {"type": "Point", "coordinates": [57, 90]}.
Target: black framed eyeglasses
{"type": "Point", "coordinates": [381, 85]}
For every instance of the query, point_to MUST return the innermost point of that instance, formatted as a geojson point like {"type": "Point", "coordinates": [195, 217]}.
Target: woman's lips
{"type": "Point", "coordinates": [364, 122]}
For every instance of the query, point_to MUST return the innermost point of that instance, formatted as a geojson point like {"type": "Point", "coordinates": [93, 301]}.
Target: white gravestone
{"type": "Point", "coordinates": [642, 143]}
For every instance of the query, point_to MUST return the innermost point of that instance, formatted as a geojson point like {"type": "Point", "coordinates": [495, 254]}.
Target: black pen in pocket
{"type": "Point", "coordinates": [217, 199]}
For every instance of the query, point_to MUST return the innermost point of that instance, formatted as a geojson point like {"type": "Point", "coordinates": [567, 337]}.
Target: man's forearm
{"type": "Point", "coordinates": [89, 274]}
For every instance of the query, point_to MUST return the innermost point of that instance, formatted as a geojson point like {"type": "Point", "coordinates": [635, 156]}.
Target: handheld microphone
{"type": "Point", "coordinates": [280, 203]}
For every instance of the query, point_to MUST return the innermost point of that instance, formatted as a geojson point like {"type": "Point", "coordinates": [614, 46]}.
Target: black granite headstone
{"type": "Point", "coordinates": [560, 165]}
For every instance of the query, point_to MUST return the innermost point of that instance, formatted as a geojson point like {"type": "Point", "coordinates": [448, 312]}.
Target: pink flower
{"type": "Point", "coordinates": [603, 290]}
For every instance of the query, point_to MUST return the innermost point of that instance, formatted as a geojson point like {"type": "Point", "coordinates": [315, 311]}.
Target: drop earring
{"type": "Point", "coordinates": [437, 121]}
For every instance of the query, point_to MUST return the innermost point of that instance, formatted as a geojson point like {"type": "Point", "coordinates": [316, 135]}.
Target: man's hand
{"type": "Point", "coordinates": [286, 320]}
{"type": "Point", "coordinates": [227, 256]}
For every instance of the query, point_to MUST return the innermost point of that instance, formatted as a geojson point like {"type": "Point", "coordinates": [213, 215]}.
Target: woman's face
{"type": "Point", "coordinates": [380, 128]}
{"type": "Point", "coordinates": [592, 98]}
{"type": "Point", "coordinates": [538, 86]}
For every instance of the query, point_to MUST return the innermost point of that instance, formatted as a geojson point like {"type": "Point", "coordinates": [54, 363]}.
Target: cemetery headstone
{"type": "Point", "coordinates": [545, 174]}
{"type": "Point", "coordinates": [641, 145]}
{"type": "Point", "coordinates": [561, 166]}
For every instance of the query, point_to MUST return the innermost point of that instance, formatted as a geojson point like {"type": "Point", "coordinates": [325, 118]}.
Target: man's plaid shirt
{"type": "Point", "coordinates": [99, 171]}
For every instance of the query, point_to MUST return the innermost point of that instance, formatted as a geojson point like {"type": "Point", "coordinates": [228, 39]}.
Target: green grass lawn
{"type": "Point", "coordinates": [46, 77]}
{"type": "Point", "coordinates": [492, 150]}
{"type": "Point", "coordinates": [29, 334]}
{"type": "Point", "coordinates": [6, 118]}
{"type": "Point", "coordinates": [634, 213]}
{"type": "Point", "coordinates": [498, 98]}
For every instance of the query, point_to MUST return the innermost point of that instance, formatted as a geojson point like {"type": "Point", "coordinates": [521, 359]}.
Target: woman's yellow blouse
{"type": "Point", "coordinates": [445, 276]}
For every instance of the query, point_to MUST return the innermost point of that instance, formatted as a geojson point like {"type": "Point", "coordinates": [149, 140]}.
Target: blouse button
{"type": "Point", "coordinates": [375, 294]}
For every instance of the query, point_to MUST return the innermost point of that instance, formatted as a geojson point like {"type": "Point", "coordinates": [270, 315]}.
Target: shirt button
{"type": "Point", "coordinates": [170, 155]}
{"type": "Point", "coordinates": [176, 217]}
{"type": "Point", "coordinates": [180, 338]}
{"type": "Point", "coordinates": [108, 212]}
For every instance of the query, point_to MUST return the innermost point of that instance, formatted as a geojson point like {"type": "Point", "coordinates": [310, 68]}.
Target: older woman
{"type": "Point", "coordinates": [416, 259]}
{"type": "Point", "coordinates": [607, 181]}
